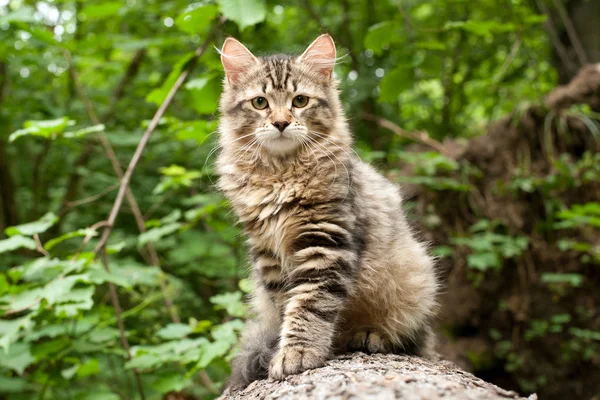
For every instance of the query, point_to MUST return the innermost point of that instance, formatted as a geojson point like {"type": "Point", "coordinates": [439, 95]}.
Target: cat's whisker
{"type": "Point", "coordinates": [216, 148]}
{"type": "Point", "coordinates": [324, 137]}
{"type": "Point", "coordinates": [340, 161]}
{"type": "Point", "coordinates": [325, 151]}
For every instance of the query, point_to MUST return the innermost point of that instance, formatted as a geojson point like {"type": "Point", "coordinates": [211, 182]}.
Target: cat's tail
{"type": "Point", "coordinates": [259, 344]}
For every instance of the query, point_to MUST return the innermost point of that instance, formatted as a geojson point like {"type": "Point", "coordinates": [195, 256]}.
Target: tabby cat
{"type": "Point", "coordinates": [336, 267]}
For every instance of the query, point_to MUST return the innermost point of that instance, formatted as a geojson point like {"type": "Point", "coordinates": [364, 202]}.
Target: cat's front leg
{"type": "Point", "coordinates": [320, 282]}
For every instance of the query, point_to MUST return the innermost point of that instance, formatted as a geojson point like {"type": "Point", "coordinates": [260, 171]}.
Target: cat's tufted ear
{"type": "Point", "coordinates": [236, 59]}
{"type": "Point", "coordinates": [320, 55]}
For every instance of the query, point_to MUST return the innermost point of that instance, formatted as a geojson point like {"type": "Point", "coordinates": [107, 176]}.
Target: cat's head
{"type": "Point", "coordinates": [279, 104]}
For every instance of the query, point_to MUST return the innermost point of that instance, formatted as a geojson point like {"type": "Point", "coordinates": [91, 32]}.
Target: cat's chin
{"type": "Point", "coordinates": [281, 146]}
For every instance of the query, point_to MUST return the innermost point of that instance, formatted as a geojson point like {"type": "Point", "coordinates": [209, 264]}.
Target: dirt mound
{"type": "Point", "coordinates": [532, 322]}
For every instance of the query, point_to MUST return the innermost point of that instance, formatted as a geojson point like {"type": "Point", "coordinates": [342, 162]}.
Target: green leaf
{"type": "Point", "coordinates": [48, 129]}
{"type": "Point", "coordinates": [205, 93]}
{"type": "Point", "coordinates": [481, 28]}
{"type": "Point", "coordinates": [157, 96]}
{"type": "Point", "coordinates": [90, 367]}
{"type": "Point", "coordinates": [84, 131]}
{"type": "Point", "coordinates": [16, 242]}
{"type": "Point", "coordinates": [45, 269]}
{"type": "Point", "coordinates": [21, 14]}
{"type": "Point", "coordinates": [70, 372]}
{"type": "Point", "coordinates": [31, 228]}
{"type": "Point", "coordinates": [484, 261]}
{"type": "Point", "coordinates": [174, 331]}
{"type": "Point", "coordinates": [197, 19]}
{"type": "Point", "coordinates": [104, 335]}
{"type": "Point", "coordinates": [74, 301]}
{"type": "Point", "coordinates": [575, 280]}
{"type": "Point", "coordinates": [394, 82]}
{"type": "Point", "coordinates": [13, 385]}
{"type": "Point", "coordinates": [144, 361]}
{"type": "Point", "coordinates": [3, 284]}
{"type": "Point", "coordinates": [211, 351]}
{"type": "Point", "coordinates": [585, 333]}
{"type": "Point", "coordinates": [381, 35]}
{"type": "Point", "coordinates": [244, 13]}
{"type": "Point", "coordinates": [174, 381]}
{"type": "Point", "coordinates": [17, 358]}
{"type": "Point", "coordinates": [155, 234]}
{"type": "Point", "coordinates": [9, 330]}
{"type": "Point", "coordinates": [101, 10]}
{"type": "Point", "coordinates": [231, 302]}
{"type": "Point", "coordinates": [49, 245]}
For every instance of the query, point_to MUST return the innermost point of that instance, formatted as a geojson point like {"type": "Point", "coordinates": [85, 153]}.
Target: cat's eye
{"type": "Point", "coordinates": [300, 101]}
{"type": "Point", "coordinates": [260, 103]}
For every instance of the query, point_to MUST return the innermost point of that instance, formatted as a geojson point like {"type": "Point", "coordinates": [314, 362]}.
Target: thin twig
{"type": "Point", "coordinates": [508, 61]}
{"type": "Point", "coordinates": [85, 156]}
{"type": "Point", "coordinates": [38, 245]}
{"type": "Point", "coordinates": [418, 136]}
{"type": "Point", "coordinates": [571, 32]}
{"type": "Point", "coordinates": [144, 141]}
{"type": "Point", "coordinates": [91, 199]}
{"type": "Point", "coordinates": [133, 205]}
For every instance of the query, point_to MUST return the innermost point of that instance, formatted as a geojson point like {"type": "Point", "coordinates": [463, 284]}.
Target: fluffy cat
{"type": "Point", "coordinates": [335, 265]}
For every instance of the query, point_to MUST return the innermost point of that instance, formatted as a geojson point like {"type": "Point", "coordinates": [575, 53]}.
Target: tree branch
{"type": "Point", "coordinates": [133, 205]}
{"type": "Point", "coordinates": [378, 376]}
{"type": "Point", "coordinates": [85, 156]}
{"type": "Point", "coordinates": [419, 136]}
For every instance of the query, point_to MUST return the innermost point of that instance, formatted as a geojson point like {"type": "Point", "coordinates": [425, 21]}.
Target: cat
{"type": "Point", "coordinates": [335, 264]}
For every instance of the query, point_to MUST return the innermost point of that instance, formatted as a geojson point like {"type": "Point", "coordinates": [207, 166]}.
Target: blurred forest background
{"type": "Point", "coordinates": [448, 97]}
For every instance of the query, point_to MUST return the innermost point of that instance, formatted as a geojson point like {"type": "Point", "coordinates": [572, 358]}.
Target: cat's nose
{"type": "Point", "coordinates": [281, 125]}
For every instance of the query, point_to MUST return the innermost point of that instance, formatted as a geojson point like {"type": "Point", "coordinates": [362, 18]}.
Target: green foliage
{"type": "Point", "coordinates": [488, 249]}
{"type": "Point", "coordinates": [445, 68]}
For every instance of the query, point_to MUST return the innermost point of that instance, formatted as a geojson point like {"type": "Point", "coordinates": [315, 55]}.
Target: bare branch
{"type": "Point", "coordinates": [38, 245]}
{"type": "Point", "coordinates": [144, 141]}
{"type": "Point", "coordinates": [84, 157]}
{"type": "Point", "coordinates": [418, 136]}
{"type": "Point", "coordinates": [135, 208]}
{"type": "Point", "coordinates": [93, 198]}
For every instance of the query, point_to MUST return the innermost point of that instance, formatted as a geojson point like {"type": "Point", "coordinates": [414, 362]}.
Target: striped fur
{"type": "Point", "coordinates": [335, 264]}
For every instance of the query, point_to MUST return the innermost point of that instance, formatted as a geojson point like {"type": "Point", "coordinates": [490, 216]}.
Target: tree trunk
{"type": "Point", "coordinates": [380, 377]}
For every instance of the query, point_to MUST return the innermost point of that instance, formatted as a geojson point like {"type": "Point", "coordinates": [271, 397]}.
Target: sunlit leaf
{"type": "Point", "coordinates": [245, 13]}
{"type": "Point", "coordinates": [16, 242]}
{"type": "Point", "coordinates": [174, 331]}
{"type": "Point", "coordinates": [17, 358]}
{"type": "Point", "coordinates": [381, 35]}
{"type": "Point", "coordinates": [197, 19]}
{"type": "Point", "coordinates": [39, 226]}
{"type": "Point", "coordinates": [101, 10]}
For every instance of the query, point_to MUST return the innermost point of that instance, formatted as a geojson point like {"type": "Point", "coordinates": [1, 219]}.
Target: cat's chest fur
{"type": "Point", "coordinates": [272, 204]}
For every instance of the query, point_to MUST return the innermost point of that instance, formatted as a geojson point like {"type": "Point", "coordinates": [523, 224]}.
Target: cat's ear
{"type": "Point", "coordinates": [236, 59]}
{"type": "Point", "coordinates": [320, 55]}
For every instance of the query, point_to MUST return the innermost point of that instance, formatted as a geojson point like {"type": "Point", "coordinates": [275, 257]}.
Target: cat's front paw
{"type": "Point", "coordinates": [293, 360]}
